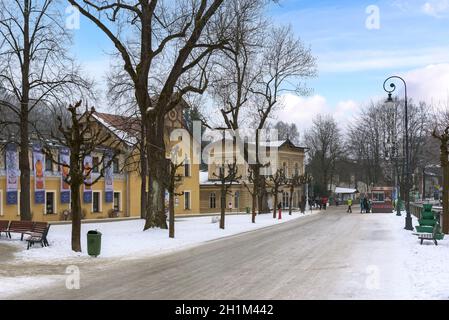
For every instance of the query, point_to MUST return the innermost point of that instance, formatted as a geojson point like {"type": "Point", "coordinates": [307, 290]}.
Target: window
{"type": "Point", "coordinates": [18, 202]}
{"type": "Point", "coordinates": [96, 201]}
{"type": "Point", "coordinates": [186, 168]}
{"type": "Point", "coordinates": [285, 200]}
{"type": "Point", "coordinates": [212, 200]}
{"type": "Point", "coordinates": [117, 201]}
{"type": "Point", "coordinates": [50, 202]}
{"type": "Point", "coordinates": [48, 164]}
{"type": "Point", "coordinates": [115, 166]}
{"type": "Point", "coordinates": [378, 197]}
{"type": "Point", "coordinates": [296, 169]}
{"type": "Point", "coordinates": [1, 202]}
{"type": "Point", "coordinates": [96, 165]}
{"type": "Point", "coordinates": [284, 167]}
{"type": "Point", "coordinates": [237, 199]}
{"type": "Point", "coordinates": [187, 200]}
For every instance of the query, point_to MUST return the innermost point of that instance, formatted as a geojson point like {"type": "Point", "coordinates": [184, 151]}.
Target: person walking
{"type": "Point", "coordinates": [362, 204]}
{"type": "Point", "coordinates": [366, 205]}
{"type": "Point", "coordinates": [280, 210]}
{"type": "Point", "coordinates": [349, 205]}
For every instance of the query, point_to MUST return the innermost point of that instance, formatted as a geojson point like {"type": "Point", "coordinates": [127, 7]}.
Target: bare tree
{"type": "Point", "coordinates": [443, 138]}
{"type": "Point", "coordinates": [227, 175]}
{"type": "Point", "coordinates": [325, 143]}
{"type": "Point", "coordinates": [164, 49]}
{"type": "Point", "coordinates": [81, 137]}
{"type": "Point", "coordinates": [35, 70]}
{"type": "Point", "coordinates": [287, 131]}
{"type": "Point", "coordinates": [262, 64]}
{"type": "Point", "coordinates": [174, 181]}
{"type": "Point", "coordinates": [276, 181]}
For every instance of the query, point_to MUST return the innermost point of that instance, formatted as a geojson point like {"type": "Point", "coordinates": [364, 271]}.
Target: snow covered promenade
{"type": "Point", "coordinates": [125, 239]}
{"type": "Point", "coordinates": [331, 255]}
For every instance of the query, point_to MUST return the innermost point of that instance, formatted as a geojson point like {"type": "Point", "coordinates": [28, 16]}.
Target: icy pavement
{"type": "Point", "coordinates": [388, 262]}
{"type": "Point", "coordinates": [331, 255]}
{"type": "Point", "coordinates": [125, 239]}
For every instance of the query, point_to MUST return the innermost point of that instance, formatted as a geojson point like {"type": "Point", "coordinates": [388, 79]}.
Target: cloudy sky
{"type": "Point", "coordinates": [358, 44]}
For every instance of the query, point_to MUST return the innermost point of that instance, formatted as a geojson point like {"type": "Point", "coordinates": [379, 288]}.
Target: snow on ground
{"type": "Point", "coordinates": [11, 285]}
{"type": "Point", "coordinates": [427, 264]}
{"type": "Point", "coordinates": [388, 262]}
{"type": "Point", "coordinates": [125, 239]}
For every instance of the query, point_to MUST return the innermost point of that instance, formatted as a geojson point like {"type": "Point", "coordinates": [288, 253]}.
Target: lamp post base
{"type": "Point", "coordinates": [408, 223]}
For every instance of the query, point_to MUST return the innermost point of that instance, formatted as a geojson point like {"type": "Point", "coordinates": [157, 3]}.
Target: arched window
{"type": "Point", "coordinates": [285, 200]}
{"type": "Point", "coordinates": [285, 169]}
{"type": "Point", "coordinates": [186, 168]}
{"type": "Point", "coordinates": [237, 199]}
{"type": "Point", "coordinates": [212, 200]}
{"type": "Point", "coordinates": [296, 169]}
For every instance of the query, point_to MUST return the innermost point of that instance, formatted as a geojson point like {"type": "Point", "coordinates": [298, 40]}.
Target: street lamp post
{"type": "Point", "coordinates": [390, 89]}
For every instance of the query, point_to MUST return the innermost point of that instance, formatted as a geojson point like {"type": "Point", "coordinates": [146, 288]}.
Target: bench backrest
{"type": "Point", "coordinates": [4, 224]}
{"type": "Point", "coordinates": [21, 226]}
{"type": "Point", "coordinates": [39, 227]}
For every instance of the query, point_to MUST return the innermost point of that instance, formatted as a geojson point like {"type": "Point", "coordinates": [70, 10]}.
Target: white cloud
{"type": "Point", "coordinates": [302, 110]}
{"type": "Point", "coordinates": [436, 8]}
{"type": "Point", "coordinates": [366, 60]}
{"type": "Point", "coordinates": [429, 84]}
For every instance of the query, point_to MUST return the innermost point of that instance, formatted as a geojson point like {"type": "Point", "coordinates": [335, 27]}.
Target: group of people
{"type": "Point", "coordinates": [365, 205]}
{"type": "Point", "coordinates": [319, 202]}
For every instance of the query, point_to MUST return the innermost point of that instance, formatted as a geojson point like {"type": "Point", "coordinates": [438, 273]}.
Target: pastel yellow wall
{"type": "Point", "coordinates": [11, 212]}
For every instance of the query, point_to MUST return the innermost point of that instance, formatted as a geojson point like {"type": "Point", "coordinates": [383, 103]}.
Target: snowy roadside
{"type": "Point", "coordinates": [126, 240]}
{"type": "Point", "coordinates": [388, 262]}
{"type": "Point", "coordinates": [427, 265]}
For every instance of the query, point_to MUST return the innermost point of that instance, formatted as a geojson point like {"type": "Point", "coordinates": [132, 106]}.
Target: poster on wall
{"type": "Point", "coordinates": [39, 175]}
{"type": "Point", "coordinates": [87, 194]}
{"type": "Point", "coordinates": [108, 179]}
{"type": "Point", "coordinates": [64, 159]}
{"type": "Point", "coordinates": [12, 174]}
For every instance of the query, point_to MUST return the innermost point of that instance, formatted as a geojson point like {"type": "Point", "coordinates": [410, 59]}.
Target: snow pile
{"type": "Point", "coordinates": [428, 265]}
{"type": "Point", "coordinates": [125, 239]}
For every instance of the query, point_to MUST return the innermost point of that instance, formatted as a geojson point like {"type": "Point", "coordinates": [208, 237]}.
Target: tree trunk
{"type": "Point", "coordinates": [275, 204]}
{"type": "Point", "coordinates": [254, 203]}
{"type": "Point", "coordinates": [24, 162]}
{"type": "Point", "coordinates": [223, 207]}
{"type": "Point", "coordinates": [445, 166]}
{"type": "Point", "coordinates": [157, 170]}
{"type": "Point", "coordinates": [24, 166]}
{"type": "Point", "coordinates": [171, 215]}
{"type": "Point", "coordinates": [144, 175]}
{"type": "Point", "coordinates": [290, 200]}
{"type": "Point", "coordinates": [76, 216]}
{"type": "Point", "coordinates": [446, 200]}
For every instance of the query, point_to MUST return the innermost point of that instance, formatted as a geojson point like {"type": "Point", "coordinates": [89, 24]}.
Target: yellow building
{"type": "Point", "coordinates": [286, 156]}
{"type": "Point", "coordinates": [125, 200]}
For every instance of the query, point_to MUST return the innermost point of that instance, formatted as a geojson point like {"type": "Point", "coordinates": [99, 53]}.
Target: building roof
{"type": "Point", "coordinates": [125, 128]}
{"type": "Point", "coordinates": [345, 190]}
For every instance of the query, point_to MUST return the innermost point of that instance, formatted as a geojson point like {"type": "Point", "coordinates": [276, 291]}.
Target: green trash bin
{"type": "Point", "coordinates": [247, 210]}
{"type": "Point", "coordinates": [94, 243]}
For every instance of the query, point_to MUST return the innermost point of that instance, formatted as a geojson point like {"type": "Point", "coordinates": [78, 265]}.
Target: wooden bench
{"type": "Point", "coordinates": [434, 236]}
{"type": "Point", "coordinates": [22, 227]}
{"type": "Point", "coordinates": [4, 224]}
{"type": "Point", "coordinates": [38, 235]}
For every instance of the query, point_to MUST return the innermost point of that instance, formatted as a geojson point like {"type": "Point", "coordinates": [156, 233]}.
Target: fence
{"type": "Point", "coordinates": [416, 209]}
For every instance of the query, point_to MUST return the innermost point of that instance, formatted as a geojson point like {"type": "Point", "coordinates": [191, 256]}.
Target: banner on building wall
{"type": "Point", "coordinates": [108, 179]}
{"type": "Point", "coordinates": [87, 194]}
{"type": "Point", "coordinates": [64, 159]}
{"type": "Point", "coordinates": [39, 175]}
{"type": "Point", "coordinates": [12, 174]}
